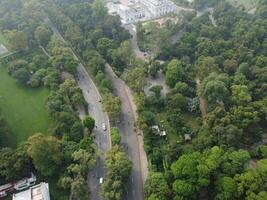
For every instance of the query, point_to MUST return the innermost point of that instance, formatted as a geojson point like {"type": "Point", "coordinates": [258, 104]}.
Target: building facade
{"type": "Point", "coordinates": [158, 8]}
{"type": "Point", "coordinates": [131, 11]}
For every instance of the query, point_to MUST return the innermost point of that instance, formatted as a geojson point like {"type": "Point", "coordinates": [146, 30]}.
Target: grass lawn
{"type": "Point", "coordinates": [191, 121]}
{"type": "Point", "coordinates": [172, 135]}
{"type": "Point", "coordinates": [248, 4]}
{"type": "Point", "coordinates": [23, 108]}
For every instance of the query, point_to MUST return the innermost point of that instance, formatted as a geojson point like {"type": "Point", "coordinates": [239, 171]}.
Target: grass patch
{"type": "Point", "coordinates": [191, 121]}
{"type": "Point", "coordinates": [247, 4]}
{"type": "Point", "coordinates": [23, 108]}
{"type": "Point", "coordinates": [172, 135]}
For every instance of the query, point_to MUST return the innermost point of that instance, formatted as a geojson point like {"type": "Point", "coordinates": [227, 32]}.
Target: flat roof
{"type": "Point", "coordinates": [37, 192]}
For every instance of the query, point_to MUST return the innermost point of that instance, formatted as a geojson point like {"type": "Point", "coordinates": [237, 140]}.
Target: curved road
{"type": "Point", "coordinates": [102, 138]}
{"type": "Point", "coordinates": [131, 141]}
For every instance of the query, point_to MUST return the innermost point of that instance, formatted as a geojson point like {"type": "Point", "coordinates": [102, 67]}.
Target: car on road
{"type": "Point", "coordinates": [101, 180]}
{"type": "Point", "coordinates": [104, 127]}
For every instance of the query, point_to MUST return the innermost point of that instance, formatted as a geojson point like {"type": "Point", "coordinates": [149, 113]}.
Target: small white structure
{"type": "Point", "coordinates": [157, 131]}
{"type": "Point", "coordinates": [187, 137]}
{"type": "Point", "coordinates": [37, 192]}
{"type": "Point", "coordinates": [163, 133]}
{"type": "Point", "coordinates": [155, 128]}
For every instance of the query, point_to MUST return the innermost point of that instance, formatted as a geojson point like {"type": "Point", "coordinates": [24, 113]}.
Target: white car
{"type": "Point", "coordinates": [104, 127]}
{"type": "Point", "coordinates": [100, 180]}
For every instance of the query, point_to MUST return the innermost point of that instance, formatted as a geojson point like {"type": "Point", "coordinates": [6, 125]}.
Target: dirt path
{"type": "Point", "coordinates": [202, 101]}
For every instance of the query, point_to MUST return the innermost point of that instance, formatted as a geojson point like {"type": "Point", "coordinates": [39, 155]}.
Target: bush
{"type": "Point", "coordinates": [115, 136]}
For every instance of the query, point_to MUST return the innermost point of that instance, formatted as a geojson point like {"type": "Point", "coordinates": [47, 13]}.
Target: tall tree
{"type": "Point", "coordinates": [42, 35]}
{"type": "Point", "coordinates": [45, 152]}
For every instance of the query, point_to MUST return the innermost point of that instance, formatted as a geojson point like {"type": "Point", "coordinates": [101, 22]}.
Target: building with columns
{"type": "Point", "coordinates": [132, 11]}
{"type": "Point", "coordinates": [158, 8]}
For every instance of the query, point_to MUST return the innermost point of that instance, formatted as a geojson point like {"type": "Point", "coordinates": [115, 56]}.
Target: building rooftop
{"type": "Point", "coordinates": [37, 192]}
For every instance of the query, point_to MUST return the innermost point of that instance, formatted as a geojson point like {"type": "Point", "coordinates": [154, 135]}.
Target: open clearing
{"type": "Point", "coordinates": [23, 108]}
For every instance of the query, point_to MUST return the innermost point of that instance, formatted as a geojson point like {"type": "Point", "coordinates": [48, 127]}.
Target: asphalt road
{"type": "Point", "coordinates": [139, 54]}
{"type": "Point", "coordinates": [129, 139]}
{"type": "Point", "coordinates": [102, 137]}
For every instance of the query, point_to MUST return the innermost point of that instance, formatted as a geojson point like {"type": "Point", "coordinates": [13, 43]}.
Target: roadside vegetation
{"type": "Point", "coordinates": [205, 138]}
{"type": "Point", "coordinates": [40, 75]}
{"type": "Point", "coordinates": [216, 154]}
{"type": "Point", "coordinates": [71, 147]}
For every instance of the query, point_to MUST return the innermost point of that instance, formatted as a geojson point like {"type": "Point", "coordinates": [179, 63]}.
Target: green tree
{"type": "Point", "coordinates": [156, 89]}
{"type": "Point", "coordinates": [136, 79]}
{"type": "Point", "coordinates": [207, 65]}
{"type": "Point", "coordinates": [76, 131]}
{"type": "Point", "coordinates": [104, 45]}
{"type": "Point", "coordinates": [83, 160]}
{"type": "Point", "coordinates": [240, 94]}
{"type": "Point", "coordinates": [244, 116]}
{"type": "Point", "coordinates": [22, 75]}
{"type": "Point", "coordinates": [79, 189]}
{"type": "Point", "coordinates": [45, 152]}
{"type": "Point", "coordinates": [227, 188]}
{"type": "Point", "coordinates": [16, 65]}
{"type": "Point", "coordinates": [89, 123]}
{"type": "Point", "coordinates": [111, 105]}
{"type": "Point", "coordinates": [175, 72]}
{"type": "Point", "coordinates": [14, 164]}
{"type": "Point", "coordinates": [119, 168]}
{"type": "Point", "coordinates": [115, 136]}
{"type": "Point", "coordinates": [18, 40]}
{"type": "Point", "coordinates": [176, 101]}
{"type": "Point", "coordinates": [215, 88]}
{"type": "Point", "coordinates": [230, 66]}
{"type": "Point", "coordinates": [156, 186]}
{"type": "Point", "coordinates": [42, 35]}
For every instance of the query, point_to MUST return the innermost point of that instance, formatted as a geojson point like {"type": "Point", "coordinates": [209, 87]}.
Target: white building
{"type": "Point", "coordinates": [158, 8]}
{"type": "Point", "coordinates": [131, 13]}
{"type": "Point", "coordinates": [37, 192]}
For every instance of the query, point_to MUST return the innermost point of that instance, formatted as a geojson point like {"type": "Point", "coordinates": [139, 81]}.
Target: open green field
{"type": "Point", "coordinates": [23, 108]}
{"type": "Point", "coordinates": [248, 4]}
